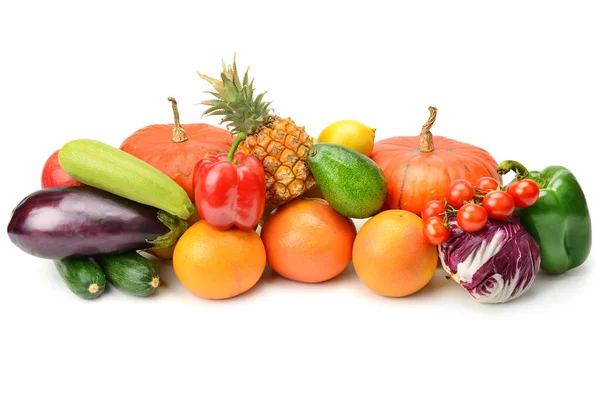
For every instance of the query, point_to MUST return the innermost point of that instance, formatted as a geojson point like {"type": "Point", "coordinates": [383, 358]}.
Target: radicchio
{"type": "Point", "coordinates": [494, 265]}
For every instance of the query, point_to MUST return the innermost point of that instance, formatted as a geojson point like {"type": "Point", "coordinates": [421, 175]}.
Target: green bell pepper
{"type": "Point", "coordinates": [559, 220]}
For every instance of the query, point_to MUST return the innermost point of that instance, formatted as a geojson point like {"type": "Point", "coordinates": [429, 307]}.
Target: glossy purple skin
{"type": "Point", "coordinates": [66, 222]}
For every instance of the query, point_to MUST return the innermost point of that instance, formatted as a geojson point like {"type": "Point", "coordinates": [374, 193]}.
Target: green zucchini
{"type": "Point", "coordinates": [83, 276]}
{"type": "Point", "coordinates": [130, 272]}
{"type": "Point", "coordinates": [105, 167]}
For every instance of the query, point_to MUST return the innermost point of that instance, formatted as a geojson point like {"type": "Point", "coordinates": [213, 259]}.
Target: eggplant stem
{"type": "Point", "coordinates": [176, 228]}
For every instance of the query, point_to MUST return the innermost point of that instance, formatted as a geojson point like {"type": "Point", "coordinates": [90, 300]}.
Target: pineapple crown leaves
{"type": "Point", "coordinates": [234, 100]}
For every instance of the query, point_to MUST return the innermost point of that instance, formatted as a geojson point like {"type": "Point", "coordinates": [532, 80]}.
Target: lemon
{"type": "Point", "coordinates": [349, 133]}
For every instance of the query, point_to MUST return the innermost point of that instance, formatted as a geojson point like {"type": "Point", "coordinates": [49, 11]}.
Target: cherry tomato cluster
{"type": "Point", "coordinates": [473, 205]}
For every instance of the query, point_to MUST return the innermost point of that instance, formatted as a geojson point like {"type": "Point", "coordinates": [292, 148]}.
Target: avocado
{"type": "Point", "coordinates": [350, 181]}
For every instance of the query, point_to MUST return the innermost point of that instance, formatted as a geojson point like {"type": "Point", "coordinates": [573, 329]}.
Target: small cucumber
{"type": "Point", "coordinates": [110, 169]}
{"type": "Point", "coordinates": [130, 272]}
{"type": "Point", "coordinates": [83, 276]}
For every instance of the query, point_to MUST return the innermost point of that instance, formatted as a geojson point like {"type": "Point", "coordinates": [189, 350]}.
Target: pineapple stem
{"type": "Point", "coordinates": [240, 137]}
{"type": "Point", "coordinates": [178, 131]}
{"type": "Point", "coordinates": [426, 136]}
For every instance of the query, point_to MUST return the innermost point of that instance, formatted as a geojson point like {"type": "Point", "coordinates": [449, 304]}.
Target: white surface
{"type": "Point", "coordinates": [519, 80]}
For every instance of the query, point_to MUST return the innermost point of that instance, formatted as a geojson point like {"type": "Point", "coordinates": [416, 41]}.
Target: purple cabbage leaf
{"type": "Point", "coordinates": [494, 265]}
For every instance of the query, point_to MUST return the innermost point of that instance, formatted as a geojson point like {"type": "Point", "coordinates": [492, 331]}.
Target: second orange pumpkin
{"type": "Point", "coordinates": [420, 168]}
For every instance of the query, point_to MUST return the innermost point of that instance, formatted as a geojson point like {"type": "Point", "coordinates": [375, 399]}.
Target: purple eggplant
{"type": "Point", "coordinates": [68, 222]}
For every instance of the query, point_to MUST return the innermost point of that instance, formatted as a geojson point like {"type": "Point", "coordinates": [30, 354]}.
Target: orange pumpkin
{"type": "Point", "coordinates": [176, 148]}
{"type": "Point", "coordinates": [420, 168]}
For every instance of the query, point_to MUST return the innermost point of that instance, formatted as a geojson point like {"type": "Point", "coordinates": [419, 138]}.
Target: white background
{"type": "Point", "coordinates": [519, 79]}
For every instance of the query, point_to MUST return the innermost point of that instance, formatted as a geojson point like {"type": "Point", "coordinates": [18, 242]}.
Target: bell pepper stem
{"type": "Point", "coordinates": [238, 139]}
{"type": "Point", "coordinates": [510, 165]}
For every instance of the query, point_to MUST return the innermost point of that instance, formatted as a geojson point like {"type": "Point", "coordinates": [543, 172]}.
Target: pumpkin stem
{"type": "Point", "coordinates": [178, 131]}
{"type": "Point", "coordinates": [426, 136]}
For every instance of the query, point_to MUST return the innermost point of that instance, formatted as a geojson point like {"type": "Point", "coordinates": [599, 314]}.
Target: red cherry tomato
{"type": "Point", "coordinates": [53, 175]}
{"type": "Point", "coordinates": [459, 192]}
{"type": "Point", "coordinates": [498, 204]}
{"type": "Point", "coordinates": [433, 208]}
{"type": "Point", "coordinates": [471, 217]}
{"type": "Point", "coordinates": [435, 232]}
{"type": "Point", "coordinates": [524, 192]}
{"type": "Point", "coordinates": [486, 184]}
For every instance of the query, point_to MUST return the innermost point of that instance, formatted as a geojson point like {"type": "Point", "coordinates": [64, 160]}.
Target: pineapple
{"type": "Point", "coordinates": [278, 143]}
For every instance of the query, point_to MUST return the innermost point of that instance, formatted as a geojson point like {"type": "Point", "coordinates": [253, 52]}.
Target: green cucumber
{"type": "Point", "coordinates": [130, 272]}
{"type": "Point", "coordinates": [83, 276]}
{"type": "Point", "coordinates": [110, 169]}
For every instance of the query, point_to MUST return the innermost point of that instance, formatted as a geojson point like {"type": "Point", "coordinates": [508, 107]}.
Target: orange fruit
{"type": "Point", "coordinates": [308, 241]}
{"type": "Point", "coordinates": [391, 255]}
{"type": "Point", "coordinates": [218, 264]}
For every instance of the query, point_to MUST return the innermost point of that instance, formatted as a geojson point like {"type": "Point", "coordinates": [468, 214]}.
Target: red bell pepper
{"type": "Point", "coordinates": [230, 189]}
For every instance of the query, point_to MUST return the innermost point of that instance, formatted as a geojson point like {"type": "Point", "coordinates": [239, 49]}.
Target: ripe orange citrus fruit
{"type": "Point", "coordinates": [349, 133]}
{"type": "Point", "coordinates": [391, 255]}
{"type": "Point", "coordinates": [218, 264]}
{"type": "Point", "coordinates": [308, 241]}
